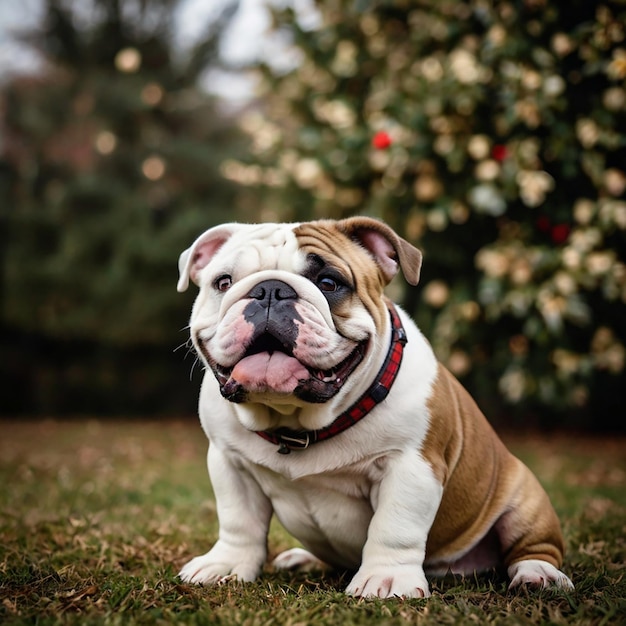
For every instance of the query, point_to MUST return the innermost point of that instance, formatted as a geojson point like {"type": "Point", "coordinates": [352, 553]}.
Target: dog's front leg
{"type": "Point", "coordinates": [244, 514]}
{"type": "Point", "coordinates": [404, 510]}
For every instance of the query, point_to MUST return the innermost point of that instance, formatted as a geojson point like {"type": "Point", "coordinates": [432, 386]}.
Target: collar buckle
{"type": "Point", "coordinates": [400, 335]}
{"type": "Point", "coordinates": [379, 393]}
{"type": "Point", "coordinates": [289, 440]}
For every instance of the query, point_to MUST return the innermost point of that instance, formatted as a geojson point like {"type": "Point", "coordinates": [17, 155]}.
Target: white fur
{"type": "Point", "coordinates": [365, 499]}
{"type": "Point", "coordinates": [537, 573]}
{"type": "Point", "coordinates": [298, 559]}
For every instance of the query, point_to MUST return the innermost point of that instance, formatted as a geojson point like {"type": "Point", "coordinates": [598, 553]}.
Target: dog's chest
{"type": "Point", "coordinates": [329, 512]}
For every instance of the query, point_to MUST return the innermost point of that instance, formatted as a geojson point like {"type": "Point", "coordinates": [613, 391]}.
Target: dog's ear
{"type": "Point", "coordinates": [203, 249]}
{"type": "Point", "coordinates": [389, 250]}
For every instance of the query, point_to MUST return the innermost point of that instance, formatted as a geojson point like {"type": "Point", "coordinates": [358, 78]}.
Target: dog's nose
{"type": "Point", "coordinates": [270, 291]}
{"type": "Point", "coordinates": [272, 312]}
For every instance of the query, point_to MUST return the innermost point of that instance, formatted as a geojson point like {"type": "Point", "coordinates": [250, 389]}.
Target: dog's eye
{"type": "Point", "coordinates": [327, 284]}
{"type": "Point", "coordinates": [223, 283]}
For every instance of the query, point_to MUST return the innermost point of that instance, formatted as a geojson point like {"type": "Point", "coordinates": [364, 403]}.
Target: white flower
{"type": "Point", "coordinates": [567, 363]}
{"type": "Point", "coordinates": [459, 362]}
{"type": "Point", "coordinates": [552, 308]}
{"type": "Point", "coordinates": [335, 112]}
{"type": "Point", "coordinates": [493, 262]}
{"type": "Point", "coordinates": [587, 132]}
{"type": "Point", "coordinates": [531, 79]}
{"type": "Point", "coordinates": [571, 258]}
{"type": "Point", "coordinates": [614, 99]}
{"type": "Point", "coordinates": [562, 44]}
{"type": "Point", "coordinates": [585, 239]}
{"type": "Point", "coordinates": [437, 220]}
{"type": "Point", "coordinates": [553, 86]}
{"type": "Point", "coordinates": [479, 146]}
{"type": "Point", "coordinates": [614, 181]}
{"type": "Point", "coordinates": [487, 198]}
{"type": "Point", "coordinates": [464, 66]}
{"type": "Point", "coordinates": [487, 170]}
{"type": "Point", "coordinates": [344, 63]}
{"type": "Point", "coordinates": [599, 263]}
{"type": "Point", "coordinates": [513, 385]}
{"type": "Point", "coordinates": [431, 69]}
{"type": "Point", "coordinates": [307, 172]}
{"type": "Point", "coordinates": [564, 283]}
{"type": "Point", "coordinates": [533, 186]}
{"type": "Point", "coordinates": [436, 293]}
{"type": "Point", "coordinates": [608, 353]}
{"type": "Point", "coordinates": [584, 210]}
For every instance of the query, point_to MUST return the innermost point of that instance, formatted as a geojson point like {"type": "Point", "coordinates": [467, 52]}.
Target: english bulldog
{"type": "Point", "coordinates": [325, 405]}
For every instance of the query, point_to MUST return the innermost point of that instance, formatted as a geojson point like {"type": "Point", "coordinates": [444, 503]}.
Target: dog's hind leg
{"type": "Point", "coordinates": [298, 559]}
{"type": "Point", "coordinates": [530, 537]}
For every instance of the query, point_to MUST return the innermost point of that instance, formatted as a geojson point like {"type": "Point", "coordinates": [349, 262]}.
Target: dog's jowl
{"type": "Point", "coordinates": [325, 405]}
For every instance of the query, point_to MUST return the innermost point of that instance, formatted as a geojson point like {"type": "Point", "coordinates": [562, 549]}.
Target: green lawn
{"type": "Point", "coordinates": [96, 517]}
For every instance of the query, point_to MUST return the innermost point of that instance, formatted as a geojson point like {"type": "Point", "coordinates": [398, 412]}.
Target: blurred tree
{"type": "Point", "coordinates": [109, 169]}
{"type": "Point", "coordinates": [493, 135]}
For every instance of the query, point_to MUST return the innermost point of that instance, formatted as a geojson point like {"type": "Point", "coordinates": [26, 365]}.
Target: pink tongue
{"type": "Point", "coordinates": [275, 372]}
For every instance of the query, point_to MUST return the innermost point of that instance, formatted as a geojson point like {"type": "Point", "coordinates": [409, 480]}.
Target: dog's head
{"type": "Point", "coordinates": [287, 313]}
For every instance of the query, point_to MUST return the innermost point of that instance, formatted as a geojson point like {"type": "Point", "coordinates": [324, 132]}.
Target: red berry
{"type": "Point", "coordinates": [499, 152]}
{"type": "Point", "coordinates": [381, 140]}
{"type": "Point", "coordinates": [559, 233]}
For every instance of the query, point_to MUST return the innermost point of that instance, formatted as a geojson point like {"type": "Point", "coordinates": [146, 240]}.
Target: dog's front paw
{"type": "Point", "coordinates": [407, 581]}
{"type": "Point", "coordinates": [221, 565]}
{"type": "Point", "coordinates": [537, 573]}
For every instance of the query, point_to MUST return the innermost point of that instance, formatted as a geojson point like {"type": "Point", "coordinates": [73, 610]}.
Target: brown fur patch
{"type": "Point", "coordinates": [326, 240]}
{"type": "Point", "coordinates": [484, 484]}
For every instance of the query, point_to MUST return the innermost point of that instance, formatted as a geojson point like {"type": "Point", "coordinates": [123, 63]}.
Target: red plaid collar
{"type": "Point", "coordinates": [288, 440]}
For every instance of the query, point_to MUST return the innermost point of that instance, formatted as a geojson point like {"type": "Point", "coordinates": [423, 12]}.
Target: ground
{"type": "Point", "coordinates": [96, 517]}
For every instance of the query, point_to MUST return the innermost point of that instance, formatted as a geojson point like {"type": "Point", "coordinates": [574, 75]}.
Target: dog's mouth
{"type": "Point", "coordinates": [269, 366]}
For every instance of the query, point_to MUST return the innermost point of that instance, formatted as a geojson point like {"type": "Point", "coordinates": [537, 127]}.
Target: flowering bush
{"type": "Point", "coordinates": [493, 136]}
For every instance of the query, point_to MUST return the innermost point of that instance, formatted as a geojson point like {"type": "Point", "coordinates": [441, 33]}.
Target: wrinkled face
{"type": "Point", "coordinates": [286, 311]}
{"type": "Point", "coordinates": [289, 314]}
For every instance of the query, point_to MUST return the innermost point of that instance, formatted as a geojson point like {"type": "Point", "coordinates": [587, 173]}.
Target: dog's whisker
{"type": "Point", "coordinates": [191, 351]}
{"type": "Point", "coordinates": [193, 366]}
{"type": "Point", "coordinates": [182, 345]}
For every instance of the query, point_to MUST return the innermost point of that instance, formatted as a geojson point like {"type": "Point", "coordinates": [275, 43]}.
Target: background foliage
{"type": "Point", "coordinates": [110, 169]}
{"type": "Point", "coordinates": [491, 135]}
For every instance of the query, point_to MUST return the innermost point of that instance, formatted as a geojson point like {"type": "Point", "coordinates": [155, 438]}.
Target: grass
{"type": "Point", "coordinates": [97, 517]}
